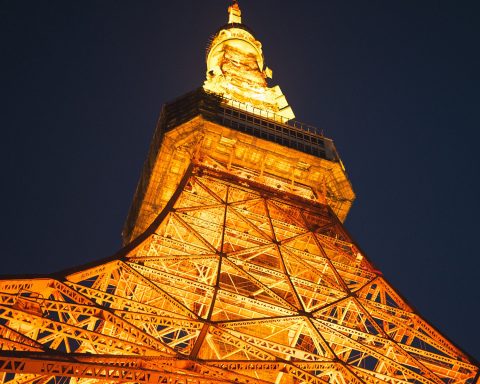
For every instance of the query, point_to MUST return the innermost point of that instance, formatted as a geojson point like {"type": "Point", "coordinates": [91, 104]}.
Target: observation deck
{"type": "Point", "coordinates": [250, 120]}
{"type": "Point", "coordinates": [241, 141]}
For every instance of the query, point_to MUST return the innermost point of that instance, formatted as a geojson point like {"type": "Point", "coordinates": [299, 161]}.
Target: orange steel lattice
{"type": "Point", "coordinates": [236, 269]}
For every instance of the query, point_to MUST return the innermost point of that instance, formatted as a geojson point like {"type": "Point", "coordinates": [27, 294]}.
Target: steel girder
{"type": "Point", "coordinates": [233, 282]}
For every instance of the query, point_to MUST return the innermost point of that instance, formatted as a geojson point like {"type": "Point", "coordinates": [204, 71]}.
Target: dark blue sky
{"type": "Point", "coordinates": [394, 83]}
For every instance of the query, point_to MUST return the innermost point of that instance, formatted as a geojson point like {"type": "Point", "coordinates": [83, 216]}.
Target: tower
{"type": "Point", "coordinates": [236, 267]}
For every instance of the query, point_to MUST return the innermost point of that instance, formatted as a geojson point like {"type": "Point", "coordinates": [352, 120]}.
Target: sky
{"type": "Point", "coordinates": [394, 83]}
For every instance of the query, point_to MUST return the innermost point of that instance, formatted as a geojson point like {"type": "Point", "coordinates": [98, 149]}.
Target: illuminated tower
{"type": "Point", "coordinates": [235, 268]}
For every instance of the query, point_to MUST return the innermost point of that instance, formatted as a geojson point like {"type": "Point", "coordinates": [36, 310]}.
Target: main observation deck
{"type": "Point", "coordinates": [250, 120]}
{"type": "Point", "coordinates": [242, 141]}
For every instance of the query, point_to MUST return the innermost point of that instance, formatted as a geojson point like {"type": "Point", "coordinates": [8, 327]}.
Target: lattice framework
{"type": "Point", "coordinates": [233, 282]}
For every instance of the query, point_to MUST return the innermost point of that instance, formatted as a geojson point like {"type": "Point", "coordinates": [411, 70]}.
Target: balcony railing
{"type": "Point", "coordinates": [247, 119]}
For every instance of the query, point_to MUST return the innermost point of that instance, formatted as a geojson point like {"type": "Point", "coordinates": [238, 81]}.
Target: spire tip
{"type": "Point", "coordinates": [234, 13]}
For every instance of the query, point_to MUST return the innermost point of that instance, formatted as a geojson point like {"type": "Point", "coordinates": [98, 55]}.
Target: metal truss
{"type": "Point", "coordinates": [234, 282]}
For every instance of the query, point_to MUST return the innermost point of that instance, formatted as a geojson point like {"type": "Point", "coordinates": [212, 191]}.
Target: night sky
{"type": "Point", "coordinates": [394, 83]}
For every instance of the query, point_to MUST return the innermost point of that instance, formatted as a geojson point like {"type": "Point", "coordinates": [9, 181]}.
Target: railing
{"type": "Point", "coordinates": [246, 118]}
{"type": "Point", "coordinates": [275, 131]}
{"type": "Point", "coordinates": [272, 116]}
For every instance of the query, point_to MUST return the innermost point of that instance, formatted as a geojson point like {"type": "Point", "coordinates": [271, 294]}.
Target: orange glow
{"type": "Point", "coordinates": [236, 266]}
{"type": "Point", "coordinates": [236, 70]}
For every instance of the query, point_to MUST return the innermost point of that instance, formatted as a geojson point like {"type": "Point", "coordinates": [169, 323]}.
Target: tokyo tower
{"type": "Point", "coordinates": [236, 267]}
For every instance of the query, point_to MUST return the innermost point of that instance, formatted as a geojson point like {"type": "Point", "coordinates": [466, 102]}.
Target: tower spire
{"type": "Point", "coordinates": [234, 13]}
